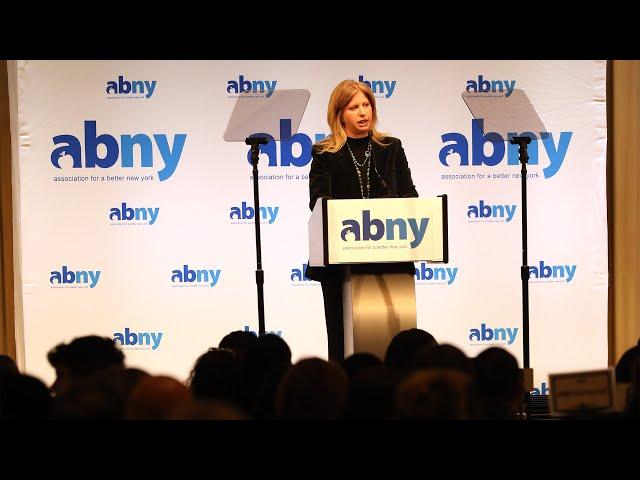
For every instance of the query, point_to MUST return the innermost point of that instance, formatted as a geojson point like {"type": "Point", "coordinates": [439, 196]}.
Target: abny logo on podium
{"type": "Point", "coordinates": [376, 229]}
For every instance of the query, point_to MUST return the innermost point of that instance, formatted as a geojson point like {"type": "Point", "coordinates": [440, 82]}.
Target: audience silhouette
{"type": "Point", "coordinates": [251, 377]}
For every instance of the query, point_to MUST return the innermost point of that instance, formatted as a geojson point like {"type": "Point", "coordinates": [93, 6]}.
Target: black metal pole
{"type": "Point", "coordinates": [255, 155]}
{"type": "Point", "coordinates": [524, 269]}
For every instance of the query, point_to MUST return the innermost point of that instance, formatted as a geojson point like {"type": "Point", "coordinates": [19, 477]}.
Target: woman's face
{"type": "Point", "coordinates": [356, 116]}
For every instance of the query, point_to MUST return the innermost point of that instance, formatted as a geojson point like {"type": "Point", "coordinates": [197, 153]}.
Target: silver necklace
{"type": "Point", "coordinates": [367, 162]}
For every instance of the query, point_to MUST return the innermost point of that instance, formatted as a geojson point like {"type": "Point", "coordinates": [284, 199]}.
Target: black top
{"type": "Point", "coordinates": [334, 176]}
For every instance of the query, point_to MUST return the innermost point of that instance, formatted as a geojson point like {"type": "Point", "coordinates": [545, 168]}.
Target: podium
{"type": "Point", "coordinates": [373, 240]}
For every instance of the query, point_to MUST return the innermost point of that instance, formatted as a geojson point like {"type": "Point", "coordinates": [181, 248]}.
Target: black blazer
{"type": "Point", "coordinates": [333, 175]}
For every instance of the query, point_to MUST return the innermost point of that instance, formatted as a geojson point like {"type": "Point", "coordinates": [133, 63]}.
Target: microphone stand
{"type": "Point", "coordinates": [255, 143]}
{"type": "Point", "coordinates": [522, 142]}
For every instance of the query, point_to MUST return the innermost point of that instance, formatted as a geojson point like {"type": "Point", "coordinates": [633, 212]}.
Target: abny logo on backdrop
{"type": "Point", "coordinates": [298, 278]}
{"type": "Point", "coordinates": [244, 85]}
{"type": "Point", "coordinates": [127, 89]}
{"type": "Point", "coordinates": [487, 212]}
{"type": "Point", "coordinates": [390, 228]}
{"type": "Point", "coordinates": [271, 332]}
{"type": "Point", "coordinates": [195, 277]}
{"type": "Point", "coordinates": [430, 275]}
{"type": "Point", "coordinates": [130, 340]}
{"type": "Point", "coordinates": [456, 149]}
{"type": "Point", "coordinates": [380, 88]}
{"type": "Point", "coordinates": [499, 87]}
{"type": "Point", "coordinates": [543, 273]}
{"type": "Point", "coordinates": [126, 215]}
{"type": "Point", "coordinates": [543, 390]}
{"type": "Point", "coordinates": [245, 213]}
{"type": "Point", "coordinates": [67, 277]}
{"type": "Point", "coordinates": [295, 150]}
{"type": "Point", "coordinates": [486, 335]}
{"type": "Point", "coordinates": [104, 151]}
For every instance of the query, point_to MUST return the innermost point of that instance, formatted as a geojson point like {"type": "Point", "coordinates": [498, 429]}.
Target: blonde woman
{"type": "Point", "coordinates": [354, 161]}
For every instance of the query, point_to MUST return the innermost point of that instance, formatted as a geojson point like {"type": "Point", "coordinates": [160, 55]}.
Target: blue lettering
{"type": "Point", "coordinates": [112, 87]}
{"type": "Point", "coordinates": [124, 86]}
{"type": "Point", "coordinates": [130, 337]}
{"type": "Point", "coordinates": [156, 337]}
{"type": "Point", "coordinates": [456, 149]}
{"type": "Point", "coordinates": [418, 231]}
{"type": "Point", "coordinates": [459, 148]}
{"type": "Point", "coordinates": [144, 338]}
{"type": "Point", "coordinates": [352, 227]}
{"type": "Point", "coordinates": [286, 146]}
{"type": "Point", "coordinates": [91, 143]}
{"type": "Point", "coordinates": [487, 333]}
{"type": "Point", "coordinates": [367, 223]}
{"type": "Point", "coordinates": [479, 139]}
{"type": "Point", "coordinates": [556, 155]}
{"type": "Point", "coordinates": [277, 332]}
{"type": "Point", "coordinates": [402, 228]}
{"type": "Point", "coordinates": [71, 147]}
{"type": "Point", "coordinates": [146, 150]}
{"type": "Point", "coordinates": [151, 86]}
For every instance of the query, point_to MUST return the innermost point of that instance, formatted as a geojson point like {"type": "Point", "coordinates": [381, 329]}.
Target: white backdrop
{"type": "Point", "coordinates": [149, 135]}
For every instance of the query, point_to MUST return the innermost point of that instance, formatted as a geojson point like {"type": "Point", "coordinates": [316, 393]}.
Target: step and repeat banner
{"type": "Point", "coordinates": [134, 217]}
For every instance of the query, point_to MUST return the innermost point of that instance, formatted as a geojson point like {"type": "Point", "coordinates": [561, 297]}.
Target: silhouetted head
{"type": "Point", "coordinates": [443, 357]}
{"type": "Point", "coordinates": [100, 396]}
{"type": "Point", "coordinates": [371, 393]}
{"type": "Point", "coordinates": [7, 365]}
{"type": "Point", "coordinates": [433, 395]}
{"type": "Point", "coordinates": [240, 342]}
{"type": "Point", "coordinates": [82, 357]}
{"type": "Point", "coordinates": [269, 352]}
{"type": "Point", "coordinates": [264, 402]}
{"type": "Point", "coordinates": [23, 397]}
{"type": "Point", "coordinates": [129, 379]}
{"type": "Point", "coordinates": [208, 410]}
{"type": "Point", "coordinates": [157, 398]}
{"type": "Point", "coordinates": [625, 366]}
{"type": "Point", "coordinates": [215, 375]}
{"type": "Point", "coordinates": [358, 362]}
{"type": "Point", "coordinates": [312, 389]}
{"type": "Point", "coordinates": [497, 387]}
{"type": "Point", "coordinates": [405, 345]}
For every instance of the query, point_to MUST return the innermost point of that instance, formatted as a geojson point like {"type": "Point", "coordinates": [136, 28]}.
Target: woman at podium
{"type": "Point", "coordinates": [355, 161]}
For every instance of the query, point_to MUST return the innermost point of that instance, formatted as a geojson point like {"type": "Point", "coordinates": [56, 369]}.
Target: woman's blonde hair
{"type": "Point", "coordinates": [340, 98]}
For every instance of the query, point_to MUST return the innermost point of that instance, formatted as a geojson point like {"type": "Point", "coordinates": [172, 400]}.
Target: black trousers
{"type": "Point", "coordinates": [332, 294]}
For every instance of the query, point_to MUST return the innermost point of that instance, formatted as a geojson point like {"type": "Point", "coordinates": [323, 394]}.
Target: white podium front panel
{"type": "Point", "coordinates": [385, 230]}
